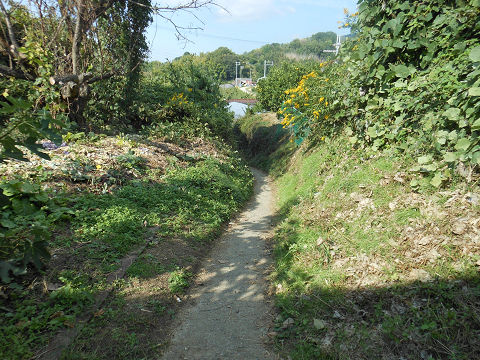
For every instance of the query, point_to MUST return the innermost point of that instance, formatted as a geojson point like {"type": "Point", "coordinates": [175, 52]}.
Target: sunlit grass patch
{"type": "Point", "coordinates": [369, 267]}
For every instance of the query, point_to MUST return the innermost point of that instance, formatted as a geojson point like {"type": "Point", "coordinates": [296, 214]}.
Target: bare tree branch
{"type": "Point", "coordinates": [5, 70]}
{"type": "Point", "coordinates": [77, 37]}
{"type": "Point", "coordinates": [102, 77]}
{"type": "Point", "coordinates": [11, 32]}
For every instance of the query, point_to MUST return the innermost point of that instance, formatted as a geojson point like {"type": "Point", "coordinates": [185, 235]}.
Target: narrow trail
{"type": "Point", "coordinates": [229, 315]}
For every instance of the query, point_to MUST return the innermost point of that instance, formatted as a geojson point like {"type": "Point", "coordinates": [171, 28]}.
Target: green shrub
{"type": "Point", "coordinates": [271, 91]}
{"type": "Point", "coordinates": [410, 79]}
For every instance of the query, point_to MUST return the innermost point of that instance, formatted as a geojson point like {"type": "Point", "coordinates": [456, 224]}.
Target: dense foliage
{"type": "Point", "coordinates": [186, 93]}
{"type": "Point", "coordinates": [223, 60]}
{"type": "Point", "coordinates": [73, 66]}
{"type": "Point", "coordinates": [409, 79]}
{"type": "Point", "coordinates": [272, 90]}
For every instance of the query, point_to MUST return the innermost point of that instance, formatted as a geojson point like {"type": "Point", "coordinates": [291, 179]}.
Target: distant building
{"type": "Point", "coordinates": [245, 82]}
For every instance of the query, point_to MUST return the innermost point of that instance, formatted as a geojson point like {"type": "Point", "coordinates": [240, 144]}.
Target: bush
{"type": "Point", "coordinates": [410, 79]}
{"type": "Point", "coordinates": [184, 92]}
{"type": "Point", "coordinates": [271, 91]}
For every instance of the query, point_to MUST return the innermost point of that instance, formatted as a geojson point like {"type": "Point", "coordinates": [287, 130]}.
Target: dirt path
{"type": "Point", "coordinates": [228, 318]}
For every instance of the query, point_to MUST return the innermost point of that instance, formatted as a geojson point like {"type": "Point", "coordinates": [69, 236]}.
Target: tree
{"type": "Point", "coordinates": [224, 60]}
{"type": "Point", "coordinates": [84, 41]}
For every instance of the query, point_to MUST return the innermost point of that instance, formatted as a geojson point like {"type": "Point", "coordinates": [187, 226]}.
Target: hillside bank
{"type": "Point", "coordinates": [368, 265]}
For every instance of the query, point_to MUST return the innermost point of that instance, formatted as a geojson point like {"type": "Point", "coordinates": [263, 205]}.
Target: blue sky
{"type": "Point", "coordinates": [244, 25]}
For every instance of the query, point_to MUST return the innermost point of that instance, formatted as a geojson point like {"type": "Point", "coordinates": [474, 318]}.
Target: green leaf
{"type": "Point", "coordinates": [437, 180]}
{"type": "Point", "coordinates": [476, 125]}
{"type": "Point", "coordinates": [452, 135]}
{"type": "Point", "coordinates": [372, 132]}
{"type": "Point", "coordinates": [401, 70]}
{"type": "Point", "coordinates": [23, 207]}
{"type": "Point", "coordinates": [474, 91]}
{"type": "Point", "coordinates": [476, 158]}
{"type": "Point", "coordinates": [6, 223]}
{"type": "Point", "coordinates": [430, 167]}
{"type": "Point", "coordinates": [450, 157]}
{"type": "Point", "coordinates": [425, 159]}
{"type": "Point", "coordinates": [398, 44]}
{"type": "Point", "coordinates": [462, 144]}
{"type": "Point", "coordinates": [28, 188]}
{"type": "Point", "coordinates": [452, 113]}
{"type": "Point", "coordinates": [475, 54]}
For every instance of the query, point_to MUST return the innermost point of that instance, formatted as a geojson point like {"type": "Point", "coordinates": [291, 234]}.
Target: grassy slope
{"type": "Point", "coordinates": [367, 267]}
{"type": "Point", "coordinates": [125, 194]}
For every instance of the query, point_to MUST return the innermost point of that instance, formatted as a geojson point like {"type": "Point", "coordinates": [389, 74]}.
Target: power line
{"type": "Point", "coordinates": [218, 36]}
{"type": "Point", "coordinates": [233, 39]}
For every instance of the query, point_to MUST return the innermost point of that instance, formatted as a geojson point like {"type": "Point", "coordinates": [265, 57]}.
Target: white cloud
{"type": "Point", "coordinates": [332, 4]}
{"type": "Point", "coordinates": [244, 10]}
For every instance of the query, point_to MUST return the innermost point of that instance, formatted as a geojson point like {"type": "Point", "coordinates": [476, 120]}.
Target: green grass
{"type": "Point", "coordinates": [350, 233]}
{"type": "Point", "coordinates": [264, 142]}
{"type": "Point", "coordinates": [236, 93]}
{"type": "Point", "coordinates": [186, 202]}
{"type": "Point", "coordinates": [178, 281]}
{"type": "Point", "coordinates": [146, 266]}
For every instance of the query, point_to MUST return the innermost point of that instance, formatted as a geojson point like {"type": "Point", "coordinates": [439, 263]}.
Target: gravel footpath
{"type": "Point", "coordinates": [229, 315]}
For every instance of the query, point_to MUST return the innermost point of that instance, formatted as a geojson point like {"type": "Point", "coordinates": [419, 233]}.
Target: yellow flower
{"type": "Point", "coordinates": [326, 103]}
{"type": "Point", "coordinates": [326, 117]}
{"type": "Point", "coordinates": [321, 99]}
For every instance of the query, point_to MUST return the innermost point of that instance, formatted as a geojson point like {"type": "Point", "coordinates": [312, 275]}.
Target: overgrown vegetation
{"type": "Point", "coordinates": [409, 79]}
{"type": "Point", "coordinates": [103, 160]}
{"type": "Point", "coordinates": [366, 265]}
{"type": "Point", "coordinates": [222, 60]}
{"type": "Point", "coordinates": [236, 93]}
{"type": "Point", "coordinates": [136, 192]}
{"type": "Point", "coordinates": [376, 244]}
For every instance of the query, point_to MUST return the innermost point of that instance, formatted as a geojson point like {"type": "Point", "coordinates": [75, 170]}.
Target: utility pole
{"type": "Point", "coordinates": [265, 64]}
{"type": "Point", "coordinates": [237, 63]}
{"type": "Point", "coordinates": [337, 46]}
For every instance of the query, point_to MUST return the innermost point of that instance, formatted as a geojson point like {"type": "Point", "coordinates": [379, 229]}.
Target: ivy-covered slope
{"type": "Point", "coordinates": [409, 79]}
{"type": "Point", "coordinates": [373, 259]}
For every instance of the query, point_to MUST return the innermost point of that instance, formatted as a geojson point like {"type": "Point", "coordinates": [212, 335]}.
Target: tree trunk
{"type": "Point", "coordinates": [77, 107]}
